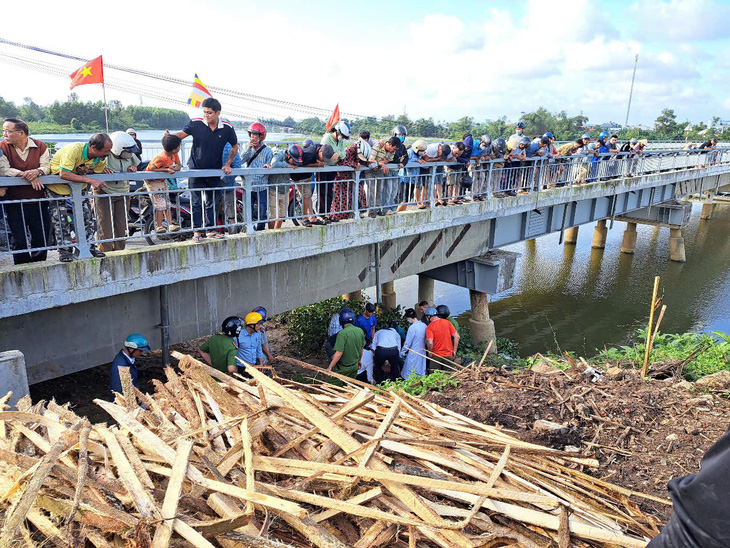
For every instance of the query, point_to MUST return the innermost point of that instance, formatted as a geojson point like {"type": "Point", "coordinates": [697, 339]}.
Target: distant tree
{"type": "Point", "coordinates": [7, 108]}
{"type": "Point", "coordinates": [460, 127]}
{"type": "Point", "coordinates": [288, 122]}
{"type": "Point", "coordinates": [666, 124]}
{"type": "Point", "coordinates": [29, 111]}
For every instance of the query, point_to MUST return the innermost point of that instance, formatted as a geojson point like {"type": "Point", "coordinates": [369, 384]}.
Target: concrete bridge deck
{"type": "Point", "coordinates": [86, 308]}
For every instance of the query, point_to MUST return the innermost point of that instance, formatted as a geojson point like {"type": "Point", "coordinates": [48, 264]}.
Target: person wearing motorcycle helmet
{"type": "Point", "coordinates": [497, 182]}
{"type": "Point", "coordinates": [133, 133]}
{"type": "Point", "coordinates": [305, 156]}
{"type": "Point", "coordinates": [519, 131]}
{"type": "Point", "coordinates": [428, 315]}
{"type": "Point", "coordinates": [442, 339]}
{"type": "Point", "coordinates": [348, 347]}
{"type": "Point", "coordinates": [249, 342]}
{"type": "Point", "coordinates": [219, 351]}
{"type": "Point", "coordinates": [268, 357]}
{"type": "Point", "coordinates": [258, 155]}
{"type": "Point", "coordinates": [167, 161]}
{"type": "Point", "coordinates": [109, 207]}
{"type": "Point", "coordinates": [443, 312]}
{"type": "Point", "coordinates": [400, 157]}
{"type": "Point", "coordinates": [401, 132]}
{"type": "Point", "coordinates": [134, 346]}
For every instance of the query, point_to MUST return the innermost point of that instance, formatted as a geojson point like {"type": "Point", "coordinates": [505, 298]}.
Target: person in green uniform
{"type": "Point", "coordinates": [219, 351]}
{"type": "Point", "coordinates": [443, 312]}
{"type": "Point", "coordinates": [348, 346]}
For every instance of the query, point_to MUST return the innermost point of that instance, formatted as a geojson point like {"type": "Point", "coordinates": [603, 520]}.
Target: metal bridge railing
{"type": "Point", "coordinates": [85, 221]}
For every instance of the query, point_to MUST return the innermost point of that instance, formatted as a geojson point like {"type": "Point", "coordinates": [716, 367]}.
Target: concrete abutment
{"type": "Point", "coordinates": [599, 235]}
{"type": "Point", "coordinates": [676, 245]}
{"type": "Point", "coordinates": [628, 245]}
{"type": "Point", "coordinates": [481, 325]}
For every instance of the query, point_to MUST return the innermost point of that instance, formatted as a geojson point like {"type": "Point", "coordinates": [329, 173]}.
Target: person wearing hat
{"type": "Point", "coordinates": [220, 350]}
{"type": "Point", "coordinates": [333, 152]}
{"type": "Point", "coordinates": [268, 357]}
{"type": "Point", "coordinates": [134, 346]}
{"type": "Point", "coordinates": [367, 320]}
{"type": "Point", "coordinates": [356, 157]}
{"type": "Point", "coordinates": [348, 348]}
{"type": "Point", "coordinates": [130, 131]}
{"type": "Point", "coordinates": [249, 342]}
{"type": "Point", "coordinates": [710, 143]}
{"type": "Point", "coordinates": [413, 172]}
{"type": "Point", "coordinates": [436, 152]}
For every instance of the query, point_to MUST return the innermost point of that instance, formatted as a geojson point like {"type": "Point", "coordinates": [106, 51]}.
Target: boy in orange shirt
{"type": "Point", "coordinates": [167, 161]}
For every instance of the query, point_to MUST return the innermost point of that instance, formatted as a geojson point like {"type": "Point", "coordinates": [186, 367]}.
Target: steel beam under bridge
{"type": "Point", "coordinates": [665, 215]}
{"type": "Point", "coordinates": [491, 273]}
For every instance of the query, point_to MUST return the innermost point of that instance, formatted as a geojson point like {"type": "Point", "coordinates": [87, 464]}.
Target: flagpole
{"type": "Point", "coordinates": [106, 108]}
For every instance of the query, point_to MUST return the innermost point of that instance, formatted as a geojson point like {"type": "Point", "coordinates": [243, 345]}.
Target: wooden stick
{"type": "Point", "coordinates": [172, 495]}
{"type": "Point", "coordinates": [648, 329]}
{"type": "Point", "coordinates": [658, 323]}
{"type": "Point", "coordinates": [248, 463]}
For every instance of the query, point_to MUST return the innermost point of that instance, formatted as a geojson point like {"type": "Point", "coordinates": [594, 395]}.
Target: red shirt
{"type": "Point", "coordinates": [440, 332]}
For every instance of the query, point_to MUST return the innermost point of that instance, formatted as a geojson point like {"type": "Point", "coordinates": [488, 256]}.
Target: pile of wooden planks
{"type": "Point", "coordinates": [210, 460]}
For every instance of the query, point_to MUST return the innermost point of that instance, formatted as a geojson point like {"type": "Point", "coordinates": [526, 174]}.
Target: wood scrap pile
{"type": "Point", "coordinates": [210, 460]}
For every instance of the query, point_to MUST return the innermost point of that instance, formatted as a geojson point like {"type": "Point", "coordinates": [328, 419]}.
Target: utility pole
{"type": "Point", "coordinates": [636, 62]}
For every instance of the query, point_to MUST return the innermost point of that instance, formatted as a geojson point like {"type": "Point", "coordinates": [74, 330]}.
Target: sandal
{"type": "Point", "coordinates": [318, 222]}
{"type": "Point", "coordinates": [65, 257]}
{"type": "Point", "coordinates": [198, 238]}
{"type": "Point", "coordinates": [306, 223]}
{"type": "Point", "coordinates": [214, 234]}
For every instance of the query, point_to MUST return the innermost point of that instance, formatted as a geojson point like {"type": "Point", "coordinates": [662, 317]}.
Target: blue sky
{"type": "Point", "coordinates": [432, 59]}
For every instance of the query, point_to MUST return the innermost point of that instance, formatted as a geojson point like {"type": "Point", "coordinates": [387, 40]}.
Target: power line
{"type": "Point", "coordinates": [271, 102]}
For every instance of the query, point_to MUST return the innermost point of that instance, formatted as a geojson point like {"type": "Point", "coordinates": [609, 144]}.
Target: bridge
{"type": "Point", "coordinates": [66, 317]}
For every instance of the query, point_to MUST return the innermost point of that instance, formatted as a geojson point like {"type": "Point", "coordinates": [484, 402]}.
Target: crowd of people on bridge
{"type": "Point", "coordinates": [40, 216]}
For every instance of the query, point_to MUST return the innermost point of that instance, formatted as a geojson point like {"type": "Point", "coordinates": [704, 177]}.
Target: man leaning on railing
{"type": "Point", "coordinates": [73, 163]}
{"type": "Point", "coordinates": [28, 158]}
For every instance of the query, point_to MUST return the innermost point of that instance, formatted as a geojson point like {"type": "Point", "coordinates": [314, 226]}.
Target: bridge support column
{"type": "Point", "coordinates": [707, 211]}
{"type": "Point", "coordinates": [388, 295]}
{"type": "Point", "coordinates": [571, 235]}
{"type": "Point", "coordinates": [480, 324]}
{"type": "Point", "coordinates": [425, 289]}
{"type": "Point", "coordinates": [599, 235]}
{"type": "Point", "coordinates": [676, 245]}
{"type": "Point", "coordinates": [629, 242]}
{"type": "Point", "coordinates": [354, 296]}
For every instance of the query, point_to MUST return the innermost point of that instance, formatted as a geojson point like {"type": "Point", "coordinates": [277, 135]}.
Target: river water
{"type": "Point", "coordinates": [576, 298]}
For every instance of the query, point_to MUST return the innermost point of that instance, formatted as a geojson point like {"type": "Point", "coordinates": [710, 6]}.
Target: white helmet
{"type": "Point", "coordinates": [364, 150]}
{"type": "Point", "coordinates": [122, 142]}
{"type": "Point", "coordinates": [343, 127]}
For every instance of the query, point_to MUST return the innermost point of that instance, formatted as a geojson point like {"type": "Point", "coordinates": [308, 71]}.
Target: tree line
{"type": "Point", "coordinates": [78, 116]}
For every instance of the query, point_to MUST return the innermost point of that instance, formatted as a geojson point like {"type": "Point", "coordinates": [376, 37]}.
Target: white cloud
{"type": "Point", "coordinates": [678, 20]}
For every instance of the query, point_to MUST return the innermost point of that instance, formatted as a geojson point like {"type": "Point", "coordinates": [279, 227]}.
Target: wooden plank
{"type": "Point", "coordinates": [248, 462]}
{"type": "Point", "coordinates": [191, 535]}
{"type": "Point", "coordinates": [350, 444]}
{"type": "Point", "coordinates": [21, 509]}
{"type": "Point", "coordinates": [142, 499]}
{"type": "Point", "coordinates": [274, 465]}
{"type": "Point", "coordinates": [362, 498]}
{"type": "Point", "coordinates": [172, 494]}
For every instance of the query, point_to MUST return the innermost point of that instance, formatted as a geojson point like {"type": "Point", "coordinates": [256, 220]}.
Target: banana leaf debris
{"type": "Point", "coordinates": [210, 460]}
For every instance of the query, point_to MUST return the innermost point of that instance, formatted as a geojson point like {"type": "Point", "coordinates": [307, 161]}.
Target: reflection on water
{"type": "Point", "coordinates": [581, 298]}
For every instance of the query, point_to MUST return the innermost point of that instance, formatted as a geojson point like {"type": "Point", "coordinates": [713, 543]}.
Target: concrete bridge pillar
{"type": "Point", "coordinates": [571, 235]}
{"type": "Point", "coordinates": [387, 292]}
{"type": "Point", "coordinates": [354, 296]}
{"type": "Point", "coordinates": [425, 289]}
{"type": "Point", "coordinates": [599, 235]}
{"type": "Point", "coordinates": [707, 211]}
{"type": "Point", "coordinates": [480, 324]}
{"type": "Point", "coordinates": [629, 242]}
{"type": "Point", "coordinates": [676, 245]}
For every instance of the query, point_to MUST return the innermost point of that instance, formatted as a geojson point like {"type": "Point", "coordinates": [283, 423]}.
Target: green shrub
{"type": "Point", "coordinates": [418, 386]}
{"type": "Point", "coordinates": [307, 325]}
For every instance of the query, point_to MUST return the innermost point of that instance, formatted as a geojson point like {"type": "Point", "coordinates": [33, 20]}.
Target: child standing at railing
{"type": "Point", "coordinates": [167, 161]}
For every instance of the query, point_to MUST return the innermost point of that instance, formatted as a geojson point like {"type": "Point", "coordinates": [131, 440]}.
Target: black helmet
{"type": "Point", "coordinates": [500, 145]}
{"type": "Point", "coordinates": [232, 326]}
{"type": "Point", "coordinates": [545, 140]}
{"type": "Point", "coordinates": [399, 130]}
{"type": "Point", "coordinates": [520, 124]}
{"type": "Point", "coordinates": [442, 311]}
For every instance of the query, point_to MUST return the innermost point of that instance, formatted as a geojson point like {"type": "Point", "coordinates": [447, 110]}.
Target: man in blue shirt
{"type": "Point", "coordinates": [210, 135]}
{"type": "Point", "coordinates": [366, 321]}
{"type": "Point", "coordinates": [249, 342]}
{"type": "Point", "coordinates": [229, 181]}
{"type": "Point", "coordinates": [134, 346]}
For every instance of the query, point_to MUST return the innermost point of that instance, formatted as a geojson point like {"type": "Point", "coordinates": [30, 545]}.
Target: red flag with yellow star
{"type": "Point", "coordinates": [91, 73]}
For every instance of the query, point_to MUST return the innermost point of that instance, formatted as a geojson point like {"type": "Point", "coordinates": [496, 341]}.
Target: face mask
{"type": "Point", "coordinates": [401, 138]}
{"type": "Point", "coordinates": [519, 132]}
